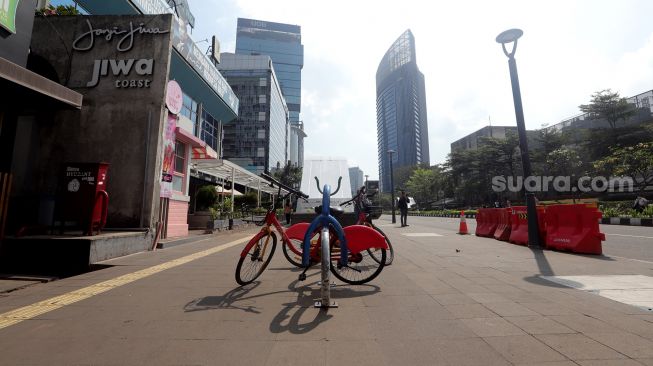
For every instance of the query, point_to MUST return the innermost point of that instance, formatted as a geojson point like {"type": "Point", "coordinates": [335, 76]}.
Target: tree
{"type": "Point", "coordinates": [290, 175]}
{"type": "Point", "coordinates": [608, 105]}
{"type": "Point", "coordinates": [421, 185]}
{"type": "Point", "coordinates": [564, 161]}
{"type": "Point", "coordinates": [632, 161]}
{"type": "Point", "coordinates": [546, 141]}
{"type": "Point", "coordinates": [58, 10]}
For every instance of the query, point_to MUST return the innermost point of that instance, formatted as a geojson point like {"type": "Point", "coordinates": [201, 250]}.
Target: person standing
{"type": "Point", "coordinates": [403, 208]}
{"type": "Point", "coordinates": [288, 211]}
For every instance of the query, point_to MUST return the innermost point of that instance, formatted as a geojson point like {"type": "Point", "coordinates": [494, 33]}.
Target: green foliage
{"type": "Point", "coordinates": [632, 161]}
{"type": "Point", "coordinates": [248, 200]}
{"type": "Point", "coordinates": [206, 197]}
{"type": "Point", "coordinates": [624, 209]}
{"type": "Point", "coordinates": [58, 10]}
{"type": "Point", "coordinates": [290, 175]}
{"type": "Point", "coordinates": [564, 161]}
{"type": "Point", "coordinates": [608, 105]}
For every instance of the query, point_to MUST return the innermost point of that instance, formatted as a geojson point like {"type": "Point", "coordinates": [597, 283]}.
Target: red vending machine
{"type": "Point", "coordinates": [84, 200]}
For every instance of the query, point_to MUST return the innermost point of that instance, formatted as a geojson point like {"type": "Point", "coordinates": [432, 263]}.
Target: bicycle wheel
{"type": "Point", "coordinates": [293, 254]}
{"type": "Point", "coordinates": [390, 253]}
{"type": "Point", "coordinates": [258, 257]}
{"type": "Point", "coordinates": [361, 267]}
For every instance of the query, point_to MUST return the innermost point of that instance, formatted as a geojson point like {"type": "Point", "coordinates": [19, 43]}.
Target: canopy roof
{"type": "Point", "coordinates": [223, 169]}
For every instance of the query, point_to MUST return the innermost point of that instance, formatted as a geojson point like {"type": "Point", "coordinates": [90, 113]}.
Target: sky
{"type": "Point", "coordinates": [569, 50]}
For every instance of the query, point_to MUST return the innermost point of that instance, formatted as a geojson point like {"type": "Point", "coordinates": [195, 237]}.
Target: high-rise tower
{"type": "Point", "coordinates": [283, 43]}
{"type": "Point", "coordinates": [400, 109]}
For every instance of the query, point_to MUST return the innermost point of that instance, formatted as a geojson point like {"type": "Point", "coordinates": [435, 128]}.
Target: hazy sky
{"type": "Point", "coordinates": [569, 50]}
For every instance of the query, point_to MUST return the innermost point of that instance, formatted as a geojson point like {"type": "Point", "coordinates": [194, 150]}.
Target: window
{"type": "Point", "coordinates": [262, 99]}
{"type": "Point", "coordinates": [261, 116]}
{"type": "Point", "coordinates": [189, 109]}
{"type": "Point", "coordinates": [210, 130]}
{"type": "Point", "coordinates": [261, 134]}
{"type": "Point", "coordinates": [260, 152]}
{"type": "Point", "coordinates": [179, 177]}
{"type": "Point", "coordinates": [263, 82]}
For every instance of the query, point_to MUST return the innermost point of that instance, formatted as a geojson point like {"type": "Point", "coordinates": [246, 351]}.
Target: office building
{"type": "Point", "coordinates": [258, 139]}
{"type": "Point", "coordinates": [283, 43]}
{"type": "Point", "coordinates": [400, 109]}
{"type": "Point", "coordinates": [356, 179]}
{"type": "Point", "coordinates": [471, 141]}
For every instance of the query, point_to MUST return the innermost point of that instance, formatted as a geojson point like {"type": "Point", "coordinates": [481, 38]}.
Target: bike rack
{"type": "Point", "coordinates": [324, 220]}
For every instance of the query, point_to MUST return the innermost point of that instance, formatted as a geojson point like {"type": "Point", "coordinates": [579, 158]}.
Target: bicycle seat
{"type": "Point", "coordinates": [335, 211]}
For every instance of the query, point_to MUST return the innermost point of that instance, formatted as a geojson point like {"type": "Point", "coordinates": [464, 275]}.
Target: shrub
{"type": "Point", "coordinates": [206, 197]}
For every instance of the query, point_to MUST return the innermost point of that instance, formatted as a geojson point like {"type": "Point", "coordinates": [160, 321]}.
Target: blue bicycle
{"type": "Point", "coordinates": [343, 252]}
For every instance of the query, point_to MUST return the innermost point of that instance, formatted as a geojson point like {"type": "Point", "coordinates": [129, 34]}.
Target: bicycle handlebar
{"type": "Point", "coordinates": [281, 185]}
{"type": "Point", "coordinates": [317, 181]}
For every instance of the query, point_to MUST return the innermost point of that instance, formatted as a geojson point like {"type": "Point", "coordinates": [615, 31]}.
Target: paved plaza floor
{"type": "Point", "coordinates": [446, 300]}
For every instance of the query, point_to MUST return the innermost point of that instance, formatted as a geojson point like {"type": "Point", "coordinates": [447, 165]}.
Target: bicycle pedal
{"type": "Point", "coordinates": [302, 276]}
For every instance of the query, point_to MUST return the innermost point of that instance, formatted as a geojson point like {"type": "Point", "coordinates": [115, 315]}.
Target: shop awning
{"type": "Point", "coordinates": [224, 169]}
{"type": "Point", "coordinates": [37, 83]}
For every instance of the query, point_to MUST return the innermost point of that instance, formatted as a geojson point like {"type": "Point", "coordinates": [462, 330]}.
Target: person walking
{"type": "Point", "coordinates": [403, 208]}
{"type": "Point", "coordinates": [288, 211]}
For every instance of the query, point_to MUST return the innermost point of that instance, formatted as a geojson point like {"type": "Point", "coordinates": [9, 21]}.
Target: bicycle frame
{"type": "Point", "coordinates": [324, 219]}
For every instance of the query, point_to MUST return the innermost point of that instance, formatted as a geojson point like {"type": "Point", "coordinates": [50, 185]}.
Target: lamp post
{"type": "Point", "coordinates": [507, 37]}
{"type": "Point", "coordinates": [392, 187]}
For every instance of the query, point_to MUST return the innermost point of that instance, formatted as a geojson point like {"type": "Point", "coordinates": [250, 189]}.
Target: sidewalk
{"type": "Point", "coordinates": [446, 300]}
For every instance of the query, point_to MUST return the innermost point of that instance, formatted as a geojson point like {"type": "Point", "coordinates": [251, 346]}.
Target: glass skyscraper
{"type": "Point", "coordinates": [283, 43]}
{"type": "Point", "coordinates": [258, 139]}
{"type": "Point", "coordinates": [400, 109]}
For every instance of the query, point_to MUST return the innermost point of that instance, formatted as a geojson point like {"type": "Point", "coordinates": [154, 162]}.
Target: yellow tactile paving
{"type": "Point", "coordinates": [31, 311]}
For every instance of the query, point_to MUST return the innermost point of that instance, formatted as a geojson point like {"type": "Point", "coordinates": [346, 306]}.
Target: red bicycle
{"type": "Point", "coordinates": [364, 210]}
{"type": "Point", "coordinates": [258, 252]}
{"type": "Point", "coordinates": [362, 241]}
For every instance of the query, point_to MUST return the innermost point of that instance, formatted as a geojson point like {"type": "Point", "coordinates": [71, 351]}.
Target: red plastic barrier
{"type": "Point", "coordinates": [519, 225]}
{"type": "Point", "coordinates": [574, 228]}
{"type": "Point", "coordinates": [505, 225]}
{"type": "Point", "coordinates": [487, 220]}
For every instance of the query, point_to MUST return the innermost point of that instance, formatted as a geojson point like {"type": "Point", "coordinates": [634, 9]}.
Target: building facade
{"type": "Point", "coordinates": [283, 43]}
{"type": "Point", "coordinates": [259, 138]}
{"type": "Point", "coordinates": [471, 141]}
{"type": "Point", "coordinates": [400, 109]}
{"type": "Point", "coordinates": [356, 179]}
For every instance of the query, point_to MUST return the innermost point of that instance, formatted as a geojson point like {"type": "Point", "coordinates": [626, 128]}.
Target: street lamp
{"type": "Point", "coordinates": [392, 187]}
{"type": "Point", "coordinates": [507, 37]}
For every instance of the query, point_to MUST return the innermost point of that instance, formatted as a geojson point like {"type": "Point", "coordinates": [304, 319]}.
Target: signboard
{"type": "Point", "coordinates": [168, 156]}
{"type": "Point", "coordinates": [174, 97]}
{"type": "Point", "coordinates": [122, 37]}
{"type": "Point", "coordinates": [202, 65]}
{"type": "Point", "coordinates": [8, 14]}
{"type": "Point", "coordinates": [215, 49]}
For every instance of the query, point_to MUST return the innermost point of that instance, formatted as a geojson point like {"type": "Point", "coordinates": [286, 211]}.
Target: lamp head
{"type": "Point", "coordinates": [511, 35]}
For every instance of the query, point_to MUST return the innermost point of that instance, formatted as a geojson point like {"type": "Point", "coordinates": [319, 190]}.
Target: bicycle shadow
{"type": "Point", "coordinates": [230, 300]}
{"type": "Point", "coordinates": [291, 317]}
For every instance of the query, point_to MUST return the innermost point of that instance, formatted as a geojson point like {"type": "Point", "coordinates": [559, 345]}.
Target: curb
{"type": "Point", "coordinates": [605, 221]}
{"type": "Point", "coordinates": [626, 221]}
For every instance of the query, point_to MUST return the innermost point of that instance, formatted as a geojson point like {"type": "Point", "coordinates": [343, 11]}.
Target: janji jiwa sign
{"type": "Point", "coordinates": [123, 69]}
